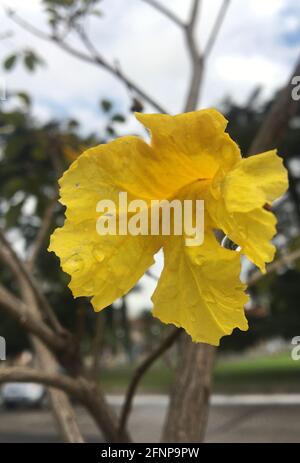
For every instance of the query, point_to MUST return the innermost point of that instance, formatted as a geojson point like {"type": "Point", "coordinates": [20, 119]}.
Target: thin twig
{"type": "Point", "coordinates": [151, 275]}
{"type": "Point", "coordinates": [194, 13]}
{"type": "Point", "coordinates": [165, 11]}
{"type": "Point", "coordinates": [216, 28]}
{"type": "Point", "coordinates": [98, 61]}
{"type": "Point", "coordinates": [196, 59]}
{"type": "Point", "coordinates": [139, 373]}
{"type": "Point", "coordinates": [274, 267]}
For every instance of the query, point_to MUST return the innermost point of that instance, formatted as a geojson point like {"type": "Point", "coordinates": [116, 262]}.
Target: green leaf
{"type": "Point", "coordinates": [73, 124]}
{"type": "Point", "coordinates": [106, 105]}
{"type": "Point", "coordinates": [118, 118]}
{"type": "Point", "coordinates": [10, 62]}
{"type": "Point", "coordinates": [24, 97]}
{"type": "Point", "coordinates": [110, 130]}
{"type": "Point", "coordinates": [31, 60]}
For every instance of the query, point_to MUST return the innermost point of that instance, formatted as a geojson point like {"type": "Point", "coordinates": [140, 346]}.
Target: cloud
{"type": "Point", "coordinates": [250, 51]}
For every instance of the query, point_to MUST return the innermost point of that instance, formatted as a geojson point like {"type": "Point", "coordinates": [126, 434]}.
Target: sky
{"type": "Point", "coordinates": [258, 45]}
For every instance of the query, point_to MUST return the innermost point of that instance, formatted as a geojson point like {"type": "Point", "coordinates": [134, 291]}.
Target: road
{"type": "Point", "coordinates": [236, 419]}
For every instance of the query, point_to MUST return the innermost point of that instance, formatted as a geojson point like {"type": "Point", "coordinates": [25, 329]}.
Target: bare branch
{"type": "Point", "coordinates": [276, 121]}
{"type": "Point", "coordinates": [28, 375]}
{"type": "Point", "coordinates": [78, 388]}
{"type": "Point", "coordinates": [139, 373]}
{"type": "Point", "coordinates": [61, 405]}
{"type": "Point", "coordinates": [165, 11]}
{"type": "Point", "coordinates": [151, 275]}
{"type": "Point", "coordinates": [47, 361]}
{"type": "Point", "coordinates": [279, 263]}
{"type": "Point", "coordinates": [45, 342]}
{"type": "Point", "coordinates": [194, 13]}
{"type": "Point", "coordinates": [196, 59]}
{"type": "Point", "coordinates": [16, 308]}
{"type": "Point", "coordinates": [216, 28]}
{"type": "Point", "coordinates": [92, 59]}
{"type": "Point", "coordinates": [8, 255]}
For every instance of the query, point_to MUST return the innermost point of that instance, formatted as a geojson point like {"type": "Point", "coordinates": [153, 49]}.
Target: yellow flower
{"type": "Point", "coordinates": [190, 157]}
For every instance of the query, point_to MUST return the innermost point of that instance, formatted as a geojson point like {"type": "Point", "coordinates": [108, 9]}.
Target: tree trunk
{"type": "Point", "coordinates": [61, 406]}
{"type": "Point", "coordinates": [189, 403]}
{"type": "Point", "coordinates": [277, 120]}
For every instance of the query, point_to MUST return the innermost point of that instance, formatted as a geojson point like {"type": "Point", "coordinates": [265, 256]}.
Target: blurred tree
{"type": "Point", "coordinates": [33, 157]}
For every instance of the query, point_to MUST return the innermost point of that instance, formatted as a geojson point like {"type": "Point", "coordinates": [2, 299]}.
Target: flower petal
{"type": "Point", "coordinates": [105, 267]}
{"type": "Point", "coordinates": [239, 211]}
{"type": "Point", "coordinates": [200, 290]}
{"type": "Point", "coordinates": [198, 135]}
{"type": "Point", "coordinates": [255, 181]}
{"type": "Point", "coordinates": [127, 164]}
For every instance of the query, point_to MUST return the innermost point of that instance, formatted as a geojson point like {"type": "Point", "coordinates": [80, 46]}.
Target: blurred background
{"type": "Point", "coordinates": [56, 102]}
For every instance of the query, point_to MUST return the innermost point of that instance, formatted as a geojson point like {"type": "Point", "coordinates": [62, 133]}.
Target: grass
{"type": "Point", "coordinates": [273, 373]}
{"type": "Point", "coordinates": [276, 373]}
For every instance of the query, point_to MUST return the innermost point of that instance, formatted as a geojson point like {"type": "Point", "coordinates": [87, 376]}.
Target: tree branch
{"type": "Point", "coordinates": [63, 411]}
{"type": "Point", "coordinates": [16, 308]}
{"type": "Point", "coordinates": [139, 373]}
{"type": "Point", "coordinates": [165, 11]}
{"type": "Point", "coordinates": [28, 375]}
{"type": "Point", "coordinates": [18, 268]}
{"type": "Point", "coordinates": [92, 59]}
{"type": "Point", "coordinates": [78, 388]}
{"type": "Point", "coordinates": [194, 13]}
{"type": "Point", "coordinates": [216, 28]}
{"type": "Point", "coordinates": [274, 266]}
{"type": "Point", "coordinates": [151, 275]}
{"type": "Point", "coordinates": [276, 121]}
{"type": "Point", "coordinates": [196, 59]}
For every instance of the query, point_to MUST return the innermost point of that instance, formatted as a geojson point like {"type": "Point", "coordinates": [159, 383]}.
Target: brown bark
{"type": "Point", "coordinates": [17, 310]}
{"type": "Point", "coordinates": [276, 122]}
{"type": "Point", "coordinates": [79, 388]}
{"type": "Point", "coordinates": [189, 403]}
{"type": "Point", "coordinates": [61, 406]}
